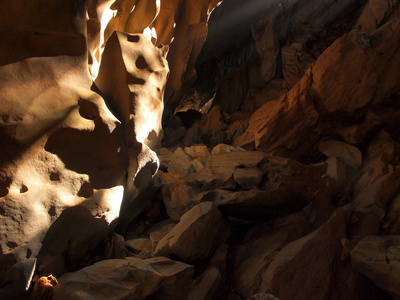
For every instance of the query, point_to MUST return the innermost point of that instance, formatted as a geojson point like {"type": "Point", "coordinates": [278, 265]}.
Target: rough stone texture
{"type": "Point", "coordinates": [346, 153]}
{"type": "Point", "coordinates": [177, 197]}
{"type": "Point", "coordinates": [287, 186]}
{"type": "Point", "coordinates": [378, 258]}
{"type": "Point", "coordinates": [258, 249]}
{"type": "Point", "coordinates": [299, 79]}
{"type": "Point", "coordinates": [43, 289]}
{"type": "Point", "coordinates": [63, 171]}
{"type": "Point", "coordinates": [380, 179]}
{"type": "Point", "coordinates": [219, 169]}
{"type": "Point", "coordinates": [132, 79]}
{"type": "Point", "coordinates": [289, 126]}
{"type": "Point", "coordinates": [375, 14]}
{"type": "Point", "coordinates": [64, 147]}
{"type": "Point", "coordinates": [131, 278]}
{"type": "Point", "coordinates": [308, 261]}
{"type": "Point", "coordinates": [210, 283]}
{"type": "Point", "coordinates": [196, 236]}
{"type": "Point", "coordinates": [307, 18]}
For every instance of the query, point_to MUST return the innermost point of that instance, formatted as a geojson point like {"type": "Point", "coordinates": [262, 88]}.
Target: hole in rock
{"type": "Point", "coordinates": [141, 63]}
{"type": "Point", "coordinates": [86, 190]}
{"type": "Point", "coordinates": [55, 176]}
{"type": "Point", "coordinates": [3, 191]}
{"type": "Point", "coordinates": [88, 110]}
{"type": "Point", "coordinates": [52, 211]}
{"type": "Point", "coordinates": [28, 253]}
{"type": "Point", "coordinates": [134, 80]}
{"type": "Point", "coordinates": [23, 189]}
{"type": "Point", "coordinates": [133, 38]}
{"type": "Point", "coordinates": [189, 117]}
{"type": "Point", "coordinates": [11, 245]}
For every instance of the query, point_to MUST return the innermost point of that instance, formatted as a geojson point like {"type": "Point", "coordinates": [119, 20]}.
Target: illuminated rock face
{"type": "Point", "coordinates": [278, 174]}
{"type": "Point", "coordinates": [67, 161]}
{"type": "Point", "coordinates": [132, 79]}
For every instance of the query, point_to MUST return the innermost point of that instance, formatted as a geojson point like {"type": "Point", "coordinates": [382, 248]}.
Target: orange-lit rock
{"type": "Point", "coordinates": [289, 126]}
{"type": "Point", "coordinates": [66, 161]}
{"type": "Point", "coordinates": [132, 79]}
{"type": "Point", "coordinates": [43, 289]}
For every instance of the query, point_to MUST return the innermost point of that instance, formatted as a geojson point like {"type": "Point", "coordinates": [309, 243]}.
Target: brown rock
{"type": "Point", "coordinates": [219, 169]}
{"type": "Point", "coordinates": [309, 18]}
{"type": "Point", "coordinates": [391, 223]}
{"type": "Point", "coordinates": [157, 235]}
{"type": "Point", "coordinates": [336, 171]}
{"type": "Point", "coordinates": [140, 248]}
{"type": "Point", "coordinates": [196, 236]}
{"type": "Point", "coordinates": [177, 197]}
{"type": "Point", "coordinates": [259, 247]}
{"type": "Point", "coordinates": [375, 14]}
{"type": "Point", "coordinates": [286, 187]}
{"type": "Point", "coordinates": [189, 36]}
{"type": "Point", "coordinates": [64, 153]}
{"type": "Point", "coordinates": [295, 62]}
{"type": "Point", "coordinates": [209, 284]}
{"type": "Point", "coordinates": [158, 277]}
{"type": "Point", "coordinates": [180, 162]}
{"type": "Point", "coordinates": [289, 126]}
{"type": "Point", "coordinates": [248, 178]}
{"type": "Point", "coordinates": [379, 180]}
{"type": "Point", "coordinates": [308, 261]}
{"type": "Point", "coordinates": [346, 153]}
{"type": "Point", "coordinates": [378, 258]}
{"type": "Point", "coordinates": [43, 289]}
{"type": "Point", "coordinates": [212, 126]}
{"type": "Point", "coordinates": [198, 151]}
{"type": "Point", "coordinates": [223, 148]}
{"type": "Point", "coordinates": [139, 92]}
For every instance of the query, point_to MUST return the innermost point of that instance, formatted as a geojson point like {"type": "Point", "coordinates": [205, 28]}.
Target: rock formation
{"type": "Point", "coordinates": [160, 149]}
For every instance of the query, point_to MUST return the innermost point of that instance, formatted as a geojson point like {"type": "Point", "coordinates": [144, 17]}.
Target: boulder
{"type": "Point", "coordinates": [286, 186]}
{"type": "Point", "coordinates": [131, 278]}
{"type": "Point", "coordinates": [259, 247]}
{"type": "Point", "coordinates": [210, 284]}
{"type": "Point", "coordinates": [196, 236]}
{"type": "Point", "coordinates": [308, 261]}
{"type": "Point", "coordinates": [219, 169]}
{"type": "Point", "coordinates": [346, 153]}
{"type": "Point", "coordinates": [378, 258]}
{"type": "Point", "coordinates": [43, 288]}
{"type": "Point", "coordinates": [178, 198]}
{"type": "Point", "coordinates": [379, 179]}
